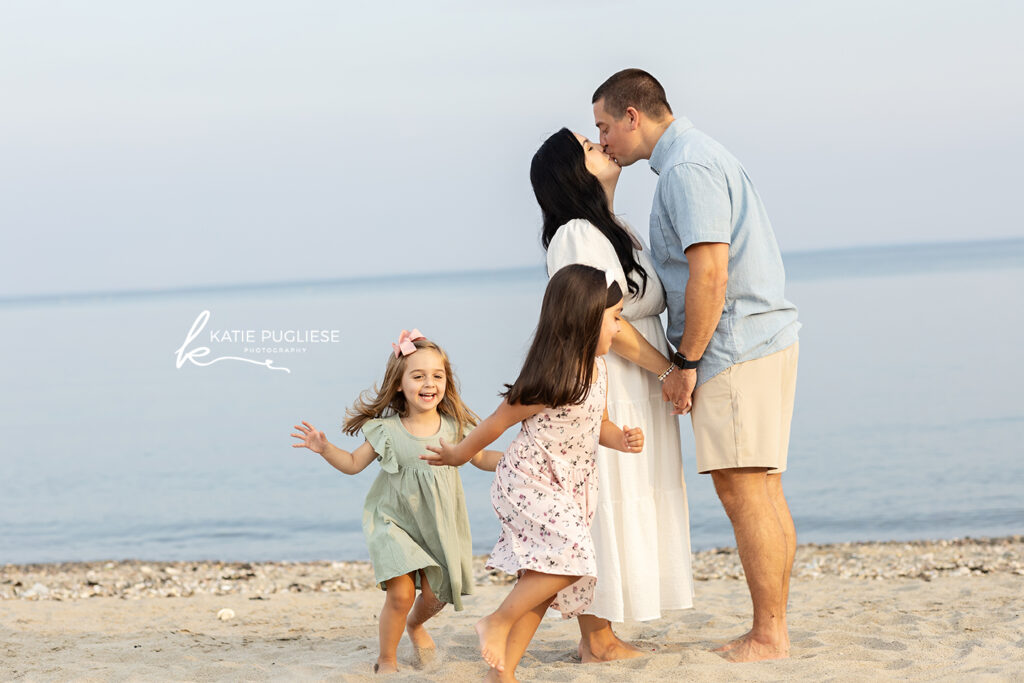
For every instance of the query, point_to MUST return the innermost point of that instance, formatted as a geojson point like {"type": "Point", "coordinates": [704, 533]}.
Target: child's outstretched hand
{"type": "Point", "coordinates": [632, 439]}
{"type": "Point", "coordinates": [312, 439]}
{"type": "Point", "coordinates": [445, 454]}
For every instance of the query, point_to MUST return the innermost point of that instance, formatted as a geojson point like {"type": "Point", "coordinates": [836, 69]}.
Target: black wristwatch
{"type": "Point", "coordinates": [681, 362]}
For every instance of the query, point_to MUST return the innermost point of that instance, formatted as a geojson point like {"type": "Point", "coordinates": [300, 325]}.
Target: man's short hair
{"type": "Point", "coordinates": [633, 88]}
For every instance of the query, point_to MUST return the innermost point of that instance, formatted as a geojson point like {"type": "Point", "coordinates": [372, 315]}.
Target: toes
{"type": "Point", "coordinates": [492, 661]}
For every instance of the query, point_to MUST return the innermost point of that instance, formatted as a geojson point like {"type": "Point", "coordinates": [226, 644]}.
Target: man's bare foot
{"type": "Point", "coordinates": [385, 666]}
{"type": "Point", "coordinates": [617, 649]}
{"type": "Point", "coordinates": [421, 640]}
{"type": "Point", "coordinates": [747, 648]}
{"type": "Point", "coordinates": [732, 643]}
{"type": "Point", "coordinates": [784, 644]}
{"type": "Point", "coordinates": [493, 639]}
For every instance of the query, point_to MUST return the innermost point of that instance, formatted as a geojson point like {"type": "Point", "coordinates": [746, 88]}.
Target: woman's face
{"type": "Point", "coordinates": [598, 163]}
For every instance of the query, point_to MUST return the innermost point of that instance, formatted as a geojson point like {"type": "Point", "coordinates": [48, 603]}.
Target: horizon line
{"type": "Point", "coordinates": [800, 254]}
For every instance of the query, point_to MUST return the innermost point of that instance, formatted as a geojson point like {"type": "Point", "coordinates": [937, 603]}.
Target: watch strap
{"type": "Point", "coordinates": [681, 362]}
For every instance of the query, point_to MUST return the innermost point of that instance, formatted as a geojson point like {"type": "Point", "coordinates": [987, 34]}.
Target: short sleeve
{"type": "Point", "coordinates": [697, 202]}
{"type": "Point", "coordinates": [578, 241]}
{"type": "Point", "coordinates": [378, 435]}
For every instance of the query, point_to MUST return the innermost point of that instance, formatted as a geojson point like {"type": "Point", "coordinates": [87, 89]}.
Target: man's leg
{"type": "Point", "coordinates": [789, 530]}
{"type": "Point", "coordinates": [762, 545]}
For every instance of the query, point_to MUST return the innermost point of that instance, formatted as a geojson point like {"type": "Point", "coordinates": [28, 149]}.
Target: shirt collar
{"type": "Point", "coordinates": [665, 142]}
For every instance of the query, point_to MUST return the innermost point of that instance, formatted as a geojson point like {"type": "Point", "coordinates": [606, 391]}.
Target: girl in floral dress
{"type": "Point", "coordinates": [545, 486]}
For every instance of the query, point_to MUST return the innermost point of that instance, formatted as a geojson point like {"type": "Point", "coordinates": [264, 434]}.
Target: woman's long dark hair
{"type": "Point", "coordinates": [559, 367]}
{"type": "Point", "coordinates": [565, 190]}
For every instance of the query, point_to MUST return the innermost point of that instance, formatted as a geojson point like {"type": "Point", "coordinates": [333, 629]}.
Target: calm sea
{"type": "Point", "coordinates": [909, 419]}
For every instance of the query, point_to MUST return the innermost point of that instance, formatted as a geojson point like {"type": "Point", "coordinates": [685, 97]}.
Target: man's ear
{"type": "Point", "coordinates": [633, 116]}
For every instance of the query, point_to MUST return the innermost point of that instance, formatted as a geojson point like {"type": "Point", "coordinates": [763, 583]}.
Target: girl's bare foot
{"type": "Point", "coordinates": [385, 666]}
{"type": "Point", "coordinates": [495, 676]}
{"type": "Point", "coordinates": [493, 640]}
{"type": "Point", "coordinates": [421, 640]}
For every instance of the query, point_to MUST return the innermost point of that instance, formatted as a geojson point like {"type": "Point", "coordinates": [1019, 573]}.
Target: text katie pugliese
{"type": "Point", "coordinates": [276, 336]}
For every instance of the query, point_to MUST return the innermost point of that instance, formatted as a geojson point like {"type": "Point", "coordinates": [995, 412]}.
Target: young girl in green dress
{"type": "Point", "coordinates": [414, 518]}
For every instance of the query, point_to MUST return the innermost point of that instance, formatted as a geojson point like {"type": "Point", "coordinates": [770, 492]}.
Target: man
{"type": "Point", "coordinates": [736, 335]}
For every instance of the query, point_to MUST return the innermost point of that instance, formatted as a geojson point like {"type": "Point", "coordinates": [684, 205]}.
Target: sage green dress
{"type": "Point", "coordinates": [415, 513]}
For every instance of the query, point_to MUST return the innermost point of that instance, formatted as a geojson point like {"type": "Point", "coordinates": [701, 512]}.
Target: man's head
{"type": "Point", "coordinates": [631, 112]}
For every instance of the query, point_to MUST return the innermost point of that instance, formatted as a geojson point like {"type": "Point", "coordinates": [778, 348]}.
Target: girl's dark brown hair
{"type": "Point", "coordinates": [559, 367]}
{"type": "Point", "coordinates": [389, 400]}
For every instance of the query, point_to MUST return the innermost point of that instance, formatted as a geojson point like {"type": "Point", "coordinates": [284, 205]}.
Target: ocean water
{"type": "Point", "coordinates": [909, 420]}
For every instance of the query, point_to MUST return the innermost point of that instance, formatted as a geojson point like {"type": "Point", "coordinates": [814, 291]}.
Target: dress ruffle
{"type": "Point", "coordinates": [380, 439]}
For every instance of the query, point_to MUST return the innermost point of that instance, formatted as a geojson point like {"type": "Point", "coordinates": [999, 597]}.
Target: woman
{"type": "Point", "coordinates": [641, 529]}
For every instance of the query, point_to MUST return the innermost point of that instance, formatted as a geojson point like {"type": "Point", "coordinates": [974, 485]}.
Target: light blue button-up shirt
{"type": "Point", "coordinates": [704, 195]}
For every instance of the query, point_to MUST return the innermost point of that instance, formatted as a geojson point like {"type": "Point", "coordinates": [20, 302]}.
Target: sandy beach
{"type": "Point", "coordinates": [945, 610]}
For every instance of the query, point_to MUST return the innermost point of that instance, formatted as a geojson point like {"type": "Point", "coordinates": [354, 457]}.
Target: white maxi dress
{"type": "Point", "coordinates": [641, 529]}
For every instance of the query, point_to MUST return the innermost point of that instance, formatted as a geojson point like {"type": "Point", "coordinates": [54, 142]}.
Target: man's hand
{"type": "Point", "coordinates": [678, 389]}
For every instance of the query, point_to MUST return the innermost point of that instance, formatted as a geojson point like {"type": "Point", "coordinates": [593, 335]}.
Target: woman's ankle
{"type": "Point", "coordinates": [600, 637]}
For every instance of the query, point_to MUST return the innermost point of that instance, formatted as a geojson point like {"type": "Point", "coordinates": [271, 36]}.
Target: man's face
{"type": "Point", "coordinates": [620, 138]}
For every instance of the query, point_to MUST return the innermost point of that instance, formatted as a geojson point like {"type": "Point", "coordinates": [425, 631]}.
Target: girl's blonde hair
{"type": "Point", "coordinates": [388, 400]}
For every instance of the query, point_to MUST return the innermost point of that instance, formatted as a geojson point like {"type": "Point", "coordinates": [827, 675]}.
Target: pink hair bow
{"type": "Point", "coordinates": [405, 344]}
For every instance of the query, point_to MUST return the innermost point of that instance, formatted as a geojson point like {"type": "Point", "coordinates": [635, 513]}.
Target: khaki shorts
{"type": "Point", "coordinates": [741, 416]}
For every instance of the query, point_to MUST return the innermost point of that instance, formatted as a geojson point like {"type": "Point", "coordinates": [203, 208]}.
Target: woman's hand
{"type": "Point", "coordinates": [444, 454]}
{"type": "Point", "coordinates": [312, 439]}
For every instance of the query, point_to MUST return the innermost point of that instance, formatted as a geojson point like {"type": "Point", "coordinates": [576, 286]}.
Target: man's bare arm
{"type": "Point", "coordinates": [705, 295]}
{"type": "Point", "coordinates": [705, 299]}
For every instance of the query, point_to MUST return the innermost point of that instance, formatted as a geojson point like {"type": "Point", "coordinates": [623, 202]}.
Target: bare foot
{"type": "Point", "coordinates": [493, 639]}
{"type": "Point", "coordinates": [747, 648]}
{"type": "Point", "coordinates": [732, 643]}
{"type": "Point", "coordinates": [495, 676]}
{"type": "Point", "coordinates": [425, 656]}
{"type": "Point", "coordinates": [421, 640]}
{"type": "Point", "coordinates": [617, 649]}
{"type": "Point", "coordinates": [784, 645]}
{"type": "Point", "coordinates": [384, 666]}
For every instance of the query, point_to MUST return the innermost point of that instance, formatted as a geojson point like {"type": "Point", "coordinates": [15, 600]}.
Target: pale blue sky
{"type": "Point", "coordinates": [148, 145]}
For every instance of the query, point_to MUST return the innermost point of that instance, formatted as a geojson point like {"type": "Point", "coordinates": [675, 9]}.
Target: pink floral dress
{"type": "Point", "coordinates": [545, 495]}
